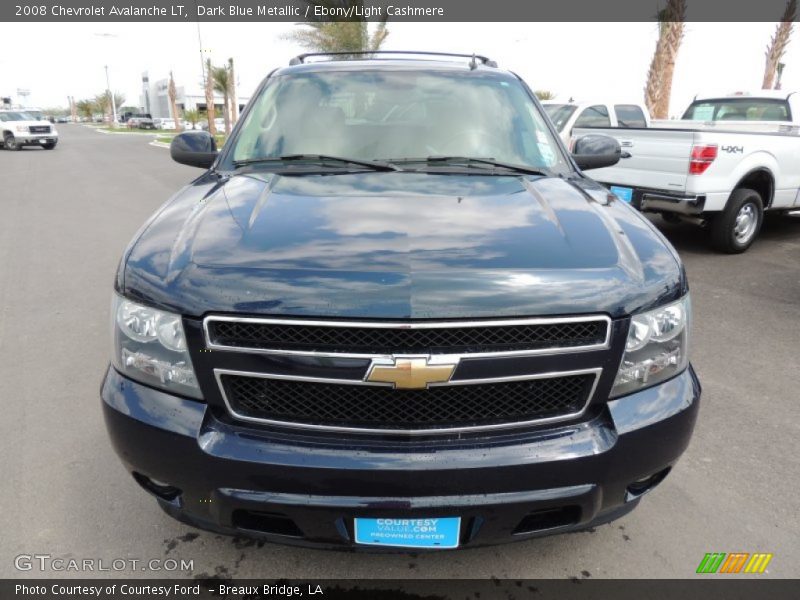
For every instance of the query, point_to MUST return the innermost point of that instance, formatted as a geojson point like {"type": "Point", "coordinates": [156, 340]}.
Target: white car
{"type": "Point", "coordinates": [164, 123]}
{"type": "Point", "coordinates": [724, 164]}
{"type": "Point", "coordinates": [219, 124]}
{"type": "Point", "coordinates": [18, 129]}
{"type": "Point", "coordinates": [567, 116]}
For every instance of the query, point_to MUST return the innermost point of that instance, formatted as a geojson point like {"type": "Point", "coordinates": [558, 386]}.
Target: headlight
{"type": "Point", "coordinates": [656, 349]}
{"type": "Point", "coordinates": [22, 128]}
{"type": "Point", "coordinates": [150, 347]}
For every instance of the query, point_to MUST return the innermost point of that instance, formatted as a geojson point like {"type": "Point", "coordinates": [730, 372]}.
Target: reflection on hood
{"type": "Point", "coordinates": [400, 245]}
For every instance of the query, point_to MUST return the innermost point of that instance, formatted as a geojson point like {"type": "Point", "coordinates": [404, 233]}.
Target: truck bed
{"type": "Point", "coordinates": [659, 163]}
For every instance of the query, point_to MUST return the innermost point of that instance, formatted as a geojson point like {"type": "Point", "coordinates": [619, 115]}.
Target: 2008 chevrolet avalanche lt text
{"type": "Point", "coordinates": [393, 312]}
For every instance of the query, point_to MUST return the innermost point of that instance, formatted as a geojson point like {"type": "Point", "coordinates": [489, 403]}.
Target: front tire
{"type": "Point", "coordinates": [10, 143]}
{"type": "Point", "coordinates": [735, 228]}
{"type": "Point", "coordinates": [49, 145]}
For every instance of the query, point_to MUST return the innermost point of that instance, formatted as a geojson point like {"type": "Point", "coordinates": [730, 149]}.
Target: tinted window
{"type": "Point", "coordinates": [594, 116]}
{"type": "Point", "coordinates": [383, 114]}
{"type": "Point", "coordinates": [739, 109]}
{"type": "Point", "coordinates": [559, 114]}
{"type": "Point", "coordinates": [630, 115]}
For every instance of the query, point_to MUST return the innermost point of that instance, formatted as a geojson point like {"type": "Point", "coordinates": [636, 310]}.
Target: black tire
{"type": "Point", "coordinates": [735, 228]}
{"type": "Point", "coordinates": [49, 145]}
{"type": "Point", "coordinates": [671, 218]}
{"type": "Point", "coordinates": [9, 143]}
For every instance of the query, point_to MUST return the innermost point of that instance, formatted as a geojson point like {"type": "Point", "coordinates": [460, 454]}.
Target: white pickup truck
{"type": "Point", "coordinates": [567, 116]}
{"type": "Point", "coordinates": [723, 165]}
{"type": "Point", "coordinates": [18, 129]}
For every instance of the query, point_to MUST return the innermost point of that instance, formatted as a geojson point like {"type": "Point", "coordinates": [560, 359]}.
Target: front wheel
{"type": "Point", "coordinates": [10, 143]}
{"type": "Point", "coordinates": [735, 228]}
{"type": "Point", "coordinates": [49, 145]}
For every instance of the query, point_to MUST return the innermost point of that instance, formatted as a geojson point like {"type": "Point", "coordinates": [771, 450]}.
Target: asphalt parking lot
{"type": "Point", "coordinates": [66, 216]}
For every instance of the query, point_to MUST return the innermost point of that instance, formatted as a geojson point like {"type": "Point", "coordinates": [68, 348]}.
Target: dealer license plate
{"type": "Point", "coordinates": [623, 193]}
{"type": "Point", "coordinates": [409, 533]}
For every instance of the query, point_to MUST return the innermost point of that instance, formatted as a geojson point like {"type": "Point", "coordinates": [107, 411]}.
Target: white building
{"type": "Point", "coordinates": [154, 98]}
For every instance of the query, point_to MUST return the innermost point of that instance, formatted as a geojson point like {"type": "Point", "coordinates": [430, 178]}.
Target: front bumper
{"type": "Point", "coordinates": [664, 201]}
{"type": "Point", "coordinates": [302, 489]}
{"type": "Point", "coordinates": [28, 139]}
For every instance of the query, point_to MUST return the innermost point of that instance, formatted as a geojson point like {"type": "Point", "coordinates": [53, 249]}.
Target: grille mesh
{"type": "Point", "coordinates": [387, 408]}
{"type": "Point", "coordinates": [370, 340]}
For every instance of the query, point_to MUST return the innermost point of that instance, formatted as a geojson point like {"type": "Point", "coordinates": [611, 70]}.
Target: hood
{"type": "Point", "coordinates": [399, 245]}
{"type": "Point", "coordinates": [29, 122]}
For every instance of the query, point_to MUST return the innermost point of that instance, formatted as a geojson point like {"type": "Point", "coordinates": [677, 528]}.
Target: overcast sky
{"type": "Point", "coordinates": [583, 60]}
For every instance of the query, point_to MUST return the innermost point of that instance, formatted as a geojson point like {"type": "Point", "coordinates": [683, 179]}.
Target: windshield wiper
{"type": "Point", "coordinates": [375, 165]}
{"type": "Point", "coordinates": [469, 161]}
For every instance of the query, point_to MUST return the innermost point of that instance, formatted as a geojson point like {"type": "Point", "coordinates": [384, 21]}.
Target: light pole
{"type": "Point", "coordinates": [113, 101]}
{"type": "Point", "coordinates": [200, 45]}
{"type": "Point", "coordinates": [110, 36]}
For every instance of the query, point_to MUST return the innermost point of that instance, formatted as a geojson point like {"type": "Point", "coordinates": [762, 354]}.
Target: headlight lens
{"type": "Point", "coordinates": [656, 349]}
{"type": "Point", "coordinates": [22, 128]}
{"type": "Point", "coordinates": [150, 347]}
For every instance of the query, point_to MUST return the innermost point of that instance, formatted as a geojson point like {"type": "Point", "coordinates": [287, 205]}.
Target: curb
{"type": "Point", "coordinates": [124, 132]}
{"type": "Point", "coordinates": [103, 131]}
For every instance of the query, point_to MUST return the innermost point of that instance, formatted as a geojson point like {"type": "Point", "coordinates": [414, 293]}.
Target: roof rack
{"type": "Point", "coordinates": [474, 58]}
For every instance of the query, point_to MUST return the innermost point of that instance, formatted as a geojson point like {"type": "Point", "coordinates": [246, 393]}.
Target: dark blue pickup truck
{"type": "Point", "coordinates": [394, 313]}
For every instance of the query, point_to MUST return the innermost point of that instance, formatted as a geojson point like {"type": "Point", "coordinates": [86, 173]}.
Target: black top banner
{"type": "Point", "coordinates": [377, 10]}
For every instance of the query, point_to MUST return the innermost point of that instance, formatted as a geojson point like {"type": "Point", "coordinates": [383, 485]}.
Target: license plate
{"type": "Point", "coordinates": [409, 533]}
{"type": "Point", "coordinates": [623, 193]}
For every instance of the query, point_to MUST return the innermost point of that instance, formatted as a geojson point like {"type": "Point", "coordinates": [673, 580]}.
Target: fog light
{"type": "Point", "coordinates": [641, 486]}
{"type": "Point", "coordinates": [158, 488]}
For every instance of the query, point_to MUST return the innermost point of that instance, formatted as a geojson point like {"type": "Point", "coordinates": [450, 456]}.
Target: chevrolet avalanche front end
{"type": "Point", "coordinates": [393, 312]}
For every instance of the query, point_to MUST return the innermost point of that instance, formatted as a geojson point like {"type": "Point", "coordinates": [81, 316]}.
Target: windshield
{"type": "Point", "coordinates": [393, 115]}
{"type": "Point", "coordinates": [559, 114]}
{"type": "Point", "coordinates": [15, 116]}
{"type": "Point", "coordinates": [739, 109]}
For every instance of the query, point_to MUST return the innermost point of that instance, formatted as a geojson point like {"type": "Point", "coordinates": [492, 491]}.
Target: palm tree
{"type": "Point", "coordinates": [210, 109]}
{"type": "Point", "coordinates": [173, 106]}
{"type": "Point", "coordinates": [658, 89]}
{"type": "Point", "coordinates": [778, 43]}
{"type": "Point", "coordinates": [102, 103]}
{"type": "Point", "coordinates": [119, 99]}
{"type": "Point", "coordinates": [192, 115]}
{"type": "Point", "coordinates": [340, 36]}
{"type": "Point", "coordinates": [221, 79]}
{"type": "Point", "coordinates": [545, 94]}
{"type": "Point", "coordinates": [232, 93]}
{"type": "Point", "coordinates": [86, 108]}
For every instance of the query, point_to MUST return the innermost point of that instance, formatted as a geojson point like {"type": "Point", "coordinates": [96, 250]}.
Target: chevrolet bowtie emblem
{"type": "Point", "coordinates": [410, 373]}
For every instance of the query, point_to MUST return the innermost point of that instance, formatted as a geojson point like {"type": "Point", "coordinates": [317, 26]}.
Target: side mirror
{"type": "Point", "coordinates": [194, 148]}
{"type": "Point", "coordinates": [596, 151]}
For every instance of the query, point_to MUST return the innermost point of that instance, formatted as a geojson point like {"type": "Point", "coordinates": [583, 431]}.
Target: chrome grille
{"type": "Point", "coordinates": [357, 338]}
{"type": "Point", "coordinates": [381, 408]}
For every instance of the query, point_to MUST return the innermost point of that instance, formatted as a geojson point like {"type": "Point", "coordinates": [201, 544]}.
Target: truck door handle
{"type": "Point", "coordinates": [625, 155]}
